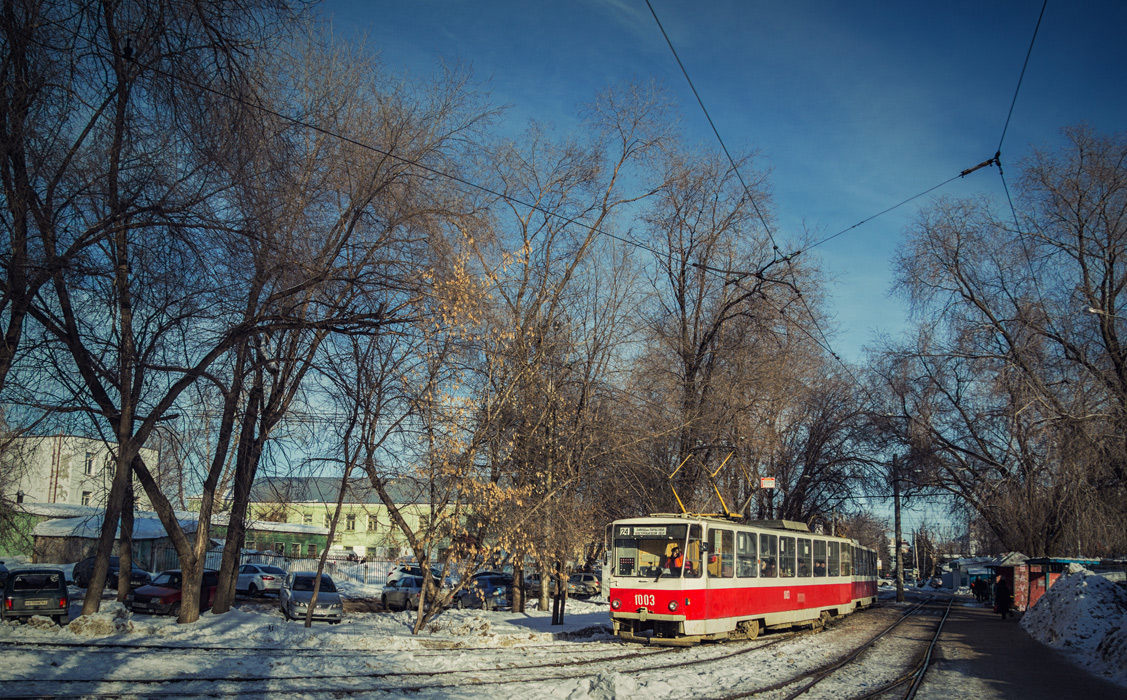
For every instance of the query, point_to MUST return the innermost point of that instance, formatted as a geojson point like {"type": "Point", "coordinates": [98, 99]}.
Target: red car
{"type": "Point", "coordinates": [162, 596]}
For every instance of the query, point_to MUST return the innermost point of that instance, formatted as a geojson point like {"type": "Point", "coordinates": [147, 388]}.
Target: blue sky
{"type": "Point", "coordinates": [854, 106]}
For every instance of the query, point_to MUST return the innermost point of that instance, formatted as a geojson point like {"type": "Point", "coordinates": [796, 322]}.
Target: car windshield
{"type": "Point", "coordinates": [305, 583]}
{"type": "Point", "coordinates": [168, 579]}
{"type": "Point", "coordinates": [37, 581]}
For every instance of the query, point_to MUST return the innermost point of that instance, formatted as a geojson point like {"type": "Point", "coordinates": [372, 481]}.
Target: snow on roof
{"type": "Point", "coordinates": [90, 526]}
{"type": "Point", "coordinates": [1009, 559]}
{"type": "Point", "coordinates": [264, 525]}
{"type": "Point", "coordinates": [57, 510]}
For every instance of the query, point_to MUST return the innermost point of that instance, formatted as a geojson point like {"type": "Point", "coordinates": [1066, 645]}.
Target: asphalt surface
{"type": "Point", "coordinates": [981, 656]}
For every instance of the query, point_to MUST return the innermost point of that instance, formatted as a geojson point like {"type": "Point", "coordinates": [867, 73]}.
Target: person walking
{"type": "Point", "coordinates": [1002, 597]}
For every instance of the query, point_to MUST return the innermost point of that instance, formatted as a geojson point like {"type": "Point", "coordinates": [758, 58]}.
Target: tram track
{"type": "Point", "coordinates": [584, 660]}
{"type": "Point", "coordinates": [361, 683]}
{"type": "Point", "coordinates": [812, 678]}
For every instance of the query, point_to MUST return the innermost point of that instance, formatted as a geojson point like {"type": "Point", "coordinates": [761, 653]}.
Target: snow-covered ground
{"type": "Point", "coordinates": [1085, 617]}
{"type": "Point", "coordinates": [1083, 614]}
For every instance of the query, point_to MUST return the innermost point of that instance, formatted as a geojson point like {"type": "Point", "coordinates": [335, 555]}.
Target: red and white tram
{"type": "Point", "coordinates": [681, 579]}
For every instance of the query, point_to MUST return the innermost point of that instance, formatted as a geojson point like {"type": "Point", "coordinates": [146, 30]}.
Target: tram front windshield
{"type": "Point", "coordinates": [647, 551]}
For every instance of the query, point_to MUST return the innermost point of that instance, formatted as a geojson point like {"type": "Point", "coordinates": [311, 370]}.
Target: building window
{"type": "Point", "coordinates": [310, 550]}
{"type": "Point", "coordinates": [350, 522]}
{"type": "Point", "coordinates": [307, 519]}
{"type": "Point", "coordinates": [88, 466]}
{"type": "Point", "coordinates": [371, 523]}
{"type": "Point", "coordinates": [86, 497]}
{"type": "Point", "coordinates": [280, 549]}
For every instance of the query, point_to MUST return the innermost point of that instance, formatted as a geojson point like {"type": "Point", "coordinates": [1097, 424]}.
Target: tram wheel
{"type": "Point", "coordinates": [747, 629]}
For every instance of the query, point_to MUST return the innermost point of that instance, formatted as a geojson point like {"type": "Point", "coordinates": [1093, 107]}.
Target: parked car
{"type": "Point", "coordinates": [532, 585]}
{"type": "Point", "coordinates": [507, 578]}
{"type": "Point", "coordinates": [582, 585]}
{"type": "Point", "coordinates": [163, 595]}
{"type": "Point", "coordinates": [84, 570]}
{"type": "Point", "coordinates": [297, 592]}
{"type": "Point", "coordinates": [38, 591]}
{"type": "Point", "coordinates": [486, 592]}
{"type": "Point", "coordinates": [256, 579]}
{"type": "Point", "coordinates": [402, 593]}
{"type": "Point", "coordinates": [403, 570]}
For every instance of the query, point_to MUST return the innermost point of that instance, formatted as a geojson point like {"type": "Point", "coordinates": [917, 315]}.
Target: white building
{"type": "Point", "coordinates": [62, 469]}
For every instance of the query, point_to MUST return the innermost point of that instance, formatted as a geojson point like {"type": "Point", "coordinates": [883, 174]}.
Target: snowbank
{"type": "Point", "coordinates": [1084, 616]}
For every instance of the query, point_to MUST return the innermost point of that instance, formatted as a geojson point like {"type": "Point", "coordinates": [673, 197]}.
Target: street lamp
{"type": "Point", "coordinates": [1100, 312]}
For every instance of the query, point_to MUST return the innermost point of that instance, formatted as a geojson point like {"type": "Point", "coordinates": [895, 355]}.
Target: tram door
{"type": "Point", "coordinates": [721, 566]}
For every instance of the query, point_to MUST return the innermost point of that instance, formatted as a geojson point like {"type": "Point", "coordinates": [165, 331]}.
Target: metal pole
{"type": "Point", "coordinates": [896, 511]}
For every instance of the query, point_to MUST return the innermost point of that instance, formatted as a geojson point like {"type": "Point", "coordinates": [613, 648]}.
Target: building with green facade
{"type": "Point", "coordinates": [365, 529]}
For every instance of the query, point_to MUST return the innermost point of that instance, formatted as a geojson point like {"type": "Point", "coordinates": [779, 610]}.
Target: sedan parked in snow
{"type": "Point", "coordinates": [485, 592]}
{"type": "Point", "coordinates": [403, 593]}
{"type": "Point", "coordinates": [84, 570]}
{"type": "Point", "coordinates": [162, 596]}
{"type": "Point", "coordinates": [256, 579]}
{"type": "Point", "coordinates": [297, 593]}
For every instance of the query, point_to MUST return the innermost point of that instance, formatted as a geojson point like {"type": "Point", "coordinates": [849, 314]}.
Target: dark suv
{"type": "Point", "coordinates": [84, 569]}
{"type": "Point", "coordinates": [30, 592]}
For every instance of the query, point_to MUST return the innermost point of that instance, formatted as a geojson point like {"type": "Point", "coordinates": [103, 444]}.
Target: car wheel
{"type": "Point", "coordinates": [253, 590]}
{"type": "Point", "coordinates": [383, 602]}
{"type": "Point", "coordinates": [62, 620]}
{"type": "Point", "coordinates": [458, 604]}
{"type": "Point", "coordinates": [175, 610]}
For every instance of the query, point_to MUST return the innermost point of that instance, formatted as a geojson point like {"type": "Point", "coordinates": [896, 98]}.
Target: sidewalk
{"type": "Point", "coordinates": [981, 656]}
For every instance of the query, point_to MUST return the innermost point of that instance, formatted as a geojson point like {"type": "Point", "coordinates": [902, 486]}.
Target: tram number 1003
{"type": "Point", "coordinates": [644, 599]}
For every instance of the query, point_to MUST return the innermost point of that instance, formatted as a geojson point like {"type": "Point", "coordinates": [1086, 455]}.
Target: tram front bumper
{"type": "Point", "coordinates": [647, 627]}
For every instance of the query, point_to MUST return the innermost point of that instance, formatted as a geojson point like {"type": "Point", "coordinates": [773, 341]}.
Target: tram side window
{"type": "Point", "coordinates": [768, 555]}
{"type": "Point", "coordinates": [835, 558]}
{"type": "Point", "coordinates": [745, 555]}
{"type": "Point", "coordinates": [846, 559]}
{"type": "Point", "coordinates": [819, 557]}
{"type": "Point", "coordinates": [721, 553]}
{"type": "Point", "coordinates": [804, 557]}
{"type": "Point", "coordinates": [786, 557]}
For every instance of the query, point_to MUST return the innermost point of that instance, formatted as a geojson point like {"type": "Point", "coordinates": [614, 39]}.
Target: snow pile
{"type": "Point", "coordinates": [1085, 616]}
{"type": "Point", "coordinates": [112, 618]}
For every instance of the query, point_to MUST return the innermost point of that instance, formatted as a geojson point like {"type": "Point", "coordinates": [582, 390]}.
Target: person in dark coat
{"type": "Point", "coordinates": [1002, 597]}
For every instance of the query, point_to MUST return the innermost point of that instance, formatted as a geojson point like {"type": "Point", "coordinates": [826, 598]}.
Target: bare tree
{"type": "Point", "coordinates": [1014, 388]}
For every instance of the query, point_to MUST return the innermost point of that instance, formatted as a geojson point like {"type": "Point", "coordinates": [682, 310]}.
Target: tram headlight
{"type": "Point", "coordinates": [672, 606]}
{"type": "Point", "coordinates": [616, 603]}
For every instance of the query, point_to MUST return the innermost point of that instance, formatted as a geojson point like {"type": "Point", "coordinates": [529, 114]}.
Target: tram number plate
{"type": "Point", "coordinates": [644, 599]}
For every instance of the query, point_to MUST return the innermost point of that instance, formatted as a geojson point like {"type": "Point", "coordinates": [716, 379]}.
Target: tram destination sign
{"type": "Point", "coordinates": [670, 531]}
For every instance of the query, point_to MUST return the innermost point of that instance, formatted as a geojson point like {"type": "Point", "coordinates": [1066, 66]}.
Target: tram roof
{"type": "Point", "coordinates": [792, 525]}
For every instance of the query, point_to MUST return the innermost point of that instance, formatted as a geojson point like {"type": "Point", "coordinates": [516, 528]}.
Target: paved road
{"type": "Point", "coordinates": [983, 657]}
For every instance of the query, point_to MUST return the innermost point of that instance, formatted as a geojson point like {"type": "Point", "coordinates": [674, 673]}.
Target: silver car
{"type": "Point", "coordinates": [402, 593]}
{"type": "Point", "coordinates": [257, 579]}
{"type": "Point", "coordinates": [297, 591]}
